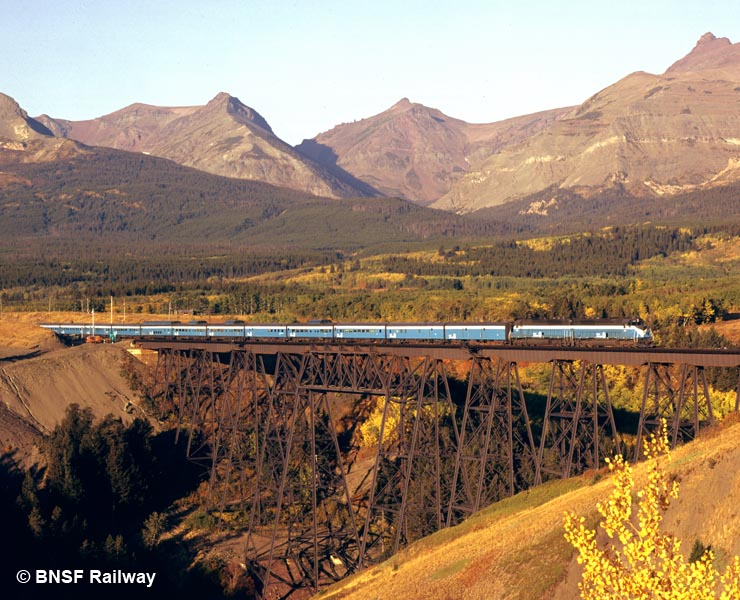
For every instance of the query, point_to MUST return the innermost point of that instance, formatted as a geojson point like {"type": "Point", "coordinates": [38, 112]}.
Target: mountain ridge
{"type": "Point", "coordinates": [24, 139]}
{"type": "Point", "coordinates": [416, 152]}
{"type": "Point", "coordinates": [645, 135]}
{"type": "Point", "coordinates": [710, 52]}
{"type": "Point", "coordinates": [223, 137]}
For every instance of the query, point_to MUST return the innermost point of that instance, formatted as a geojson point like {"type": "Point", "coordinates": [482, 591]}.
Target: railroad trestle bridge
{"type": "Point", "coordinates": [269, 421]}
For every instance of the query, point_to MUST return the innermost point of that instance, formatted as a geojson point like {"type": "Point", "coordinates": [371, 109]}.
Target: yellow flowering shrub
{"type": "Point", "coordinates": [639, 561]}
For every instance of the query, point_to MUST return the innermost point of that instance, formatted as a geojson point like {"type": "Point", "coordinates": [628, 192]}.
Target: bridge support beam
{"type": "Point", "coordinates": [578, 427]}
{"type": "Point", "coordinates": [408, 494]}
{"type": "Point", "coordinates": [681, 398]}
{"type": "Point", "coordinates": [496, 454]}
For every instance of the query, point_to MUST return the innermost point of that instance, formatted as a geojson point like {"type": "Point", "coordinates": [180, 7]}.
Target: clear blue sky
{"type": "Point", "coordinates": [309, 65]}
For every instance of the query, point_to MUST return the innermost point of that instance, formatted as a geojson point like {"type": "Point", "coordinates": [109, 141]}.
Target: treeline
{"type": "Point", "coordinates": [146, 275]}
{"type": "Point", "coordinates": [604, 254]}
{"type": "Point", "coordinates": [610, 254]}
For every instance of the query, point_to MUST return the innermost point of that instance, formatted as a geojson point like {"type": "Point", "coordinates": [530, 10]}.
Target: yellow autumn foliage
{"type": "Point", "coordinates": [370, 429]}
{"type": "Point", "coordinates": [640, 562]}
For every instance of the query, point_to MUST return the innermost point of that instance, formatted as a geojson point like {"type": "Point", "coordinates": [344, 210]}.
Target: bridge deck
{"type": "Point", "coordinates": [465, 350]}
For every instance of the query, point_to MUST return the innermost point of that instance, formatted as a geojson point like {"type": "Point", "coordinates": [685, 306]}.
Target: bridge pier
{"type": "Point", "coordinates": [407, 496]}
{"type": "Point", "coordinates": [677, 399]}
{"type": "Point", "coordinates": [578, 420]}
{"type": "Point", "coordinates": [495, 439]}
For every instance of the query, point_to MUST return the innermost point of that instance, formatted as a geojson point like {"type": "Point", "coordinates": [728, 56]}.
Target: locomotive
{"type": "Point", "coordinates": [522, 331]}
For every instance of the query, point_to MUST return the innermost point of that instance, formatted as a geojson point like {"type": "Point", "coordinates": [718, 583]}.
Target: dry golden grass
{"type": "Point", "coordinates": [730, 329]}
{"type": "Point", "coordinates": [516, 549]}
{"type": "Point", "coordinates": [713, 250]}
{"type": "Point", "coordinates": [21, 330]}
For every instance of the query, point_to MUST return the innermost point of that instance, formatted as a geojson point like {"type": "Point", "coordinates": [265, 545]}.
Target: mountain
{"type": "Point", "coordinates": [15, 124]}
{"type": "Point", "coordinates": [224, 137]}
{"type": "Point", "coordinates": [645, 136]}
{"type": "Point", "coordinates": [132, 128]}
{"type": "Point", "coordinates": [23, 139]}
{"type": "Point", "coordinates": [106, 199]}
{"type": "Point", "coordinates": [60, 194]}
{"type": "Point", "coordinates": [710, 53]}
{"type": "Point", "coordinates": [415, 152]}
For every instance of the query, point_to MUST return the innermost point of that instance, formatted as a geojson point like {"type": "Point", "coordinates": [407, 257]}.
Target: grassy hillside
{"type": "Point", "coordinates": [111, 197]}
{"type": "Point", "coordinates": [515, 549]}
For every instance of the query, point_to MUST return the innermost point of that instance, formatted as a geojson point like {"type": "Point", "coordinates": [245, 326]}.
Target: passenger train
{"type": "Point", "coordinates": [524, 332]}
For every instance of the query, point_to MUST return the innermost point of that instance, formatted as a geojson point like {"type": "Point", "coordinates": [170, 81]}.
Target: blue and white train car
{"type": "Point", "coordinates": [605, 330]}
{"type": "Point", "coordinates": [415, 331]}
{"type": "Point", "coordinates": [131, 330]}
{"type": "Point", "coordinates": [546, 330]}
{"type": "Point", "coordinates": [578, 331]}
{"type": "Point", "coordinates": [311, 330]}
{"type": "Point", "coordinates": [269, 330]}
{"type": "Point", "coordinates": [70, 329]}
{"type": "Point", "coordinates": [158, 328]}
{"type": "Point", "coordinates": [225, 330]}
{"type": "Point", "coordinates": [488, 332]}
{"type": "Point", "coordinates": [359, 331]}
{"type": "Point", "coordinates": [196, 329]}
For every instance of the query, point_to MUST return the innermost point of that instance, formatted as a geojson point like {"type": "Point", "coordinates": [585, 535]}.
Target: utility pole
{"type": "Point", "coordinates": [111, 310]}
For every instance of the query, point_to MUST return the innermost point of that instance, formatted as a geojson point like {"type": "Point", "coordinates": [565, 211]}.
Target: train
{"type": "Point", "coordinates": [522, 331]}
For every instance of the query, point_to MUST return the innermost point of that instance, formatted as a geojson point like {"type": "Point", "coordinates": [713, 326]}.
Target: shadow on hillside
{"type": "Point", "coordinates": [37, 541]}
{"type": "Point", "coordinates": [327, 158]}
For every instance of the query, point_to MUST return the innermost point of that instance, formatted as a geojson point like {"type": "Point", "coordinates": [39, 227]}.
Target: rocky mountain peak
{"type": "Point", "coordinates": [240, 111]}
{"type": "Point", "coordinates": [16, 125]}
{"type": "Point", "coordinates": [416, 152]}
{"type": "Point", "coordinates": [646, 136]}
{"type": "Point", "coordinates": [401, 105]}
{"type": "Point", "coordinates": [224, 137]}
{"type": "Point", "coordinates": [8, 106]}
{"type": "Point", "coordinates": [708, 38]}
{"type": "Point", "coordinates": [710, 52]}
{"type": "Point", "coordinates": [56, 127]}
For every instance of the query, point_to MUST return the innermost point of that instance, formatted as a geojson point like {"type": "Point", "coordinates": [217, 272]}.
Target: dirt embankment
{"type": "Point", "coordinates": [40, 378]}
{"type": "Point", "coordinates": [21, 337]}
